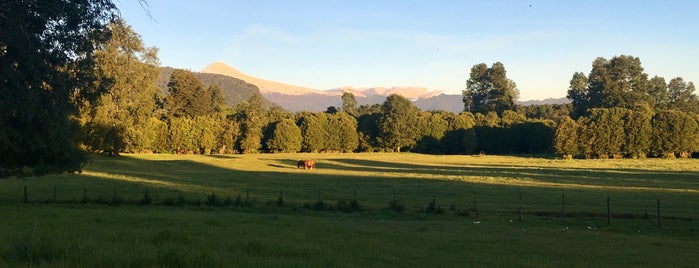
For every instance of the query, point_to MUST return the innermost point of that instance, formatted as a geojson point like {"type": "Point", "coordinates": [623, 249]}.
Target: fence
{"type": "Point", "coordinates": [244, 199]}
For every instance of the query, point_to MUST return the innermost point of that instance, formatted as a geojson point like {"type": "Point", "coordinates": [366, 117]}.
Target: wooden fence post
{"type": "Point", "coordinates": [659, 218]}
{"type": "Point", "coordinates": [520, 207]}
{"type": "Point", "coordinates": [475, 207]}
{"type": "Point", "coordinates": [563, 206]}
{"type": "Point", "coordinates": [609, 215]}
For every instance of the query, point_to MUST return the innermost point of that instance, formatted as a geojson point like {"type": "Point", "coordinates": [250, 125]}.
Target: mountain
{"type": "Point", "coordinates": [233, 90]}
{"type": "Point", "coordinates": [442, 102]}
{"type": "Point", "coordinates": [297, 98]}
{"type": "Point", "coordinates": [563, 100]}
{"type": "Point", "coordinates": [265, 86]}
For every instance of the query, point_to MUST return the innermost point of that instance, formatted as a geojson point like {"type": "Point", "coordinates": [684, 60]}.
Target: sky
{"type": "Point", "coordinates": [329, 44]}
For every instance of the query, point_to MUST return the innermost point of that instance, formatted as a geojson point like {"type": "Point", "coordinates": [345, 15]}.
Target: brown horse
{"type": "Point", "coordinates": [306, 164]}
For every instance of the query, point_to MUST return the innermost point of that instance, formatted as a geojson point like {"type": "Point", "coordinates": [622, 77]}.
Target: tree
{"type": "Point", "coordinates": [619, 82]}
{"type": "Point", "coordinates": [602, 132]}
{"type": "Point", "coordinates": [681, 96]}
{"type": "Point", "coordinates": [674, 133]}
{"type": "Point", "coordinates": [286, 137]}
{"type": "Point", "coordinates": [397, 123]}
{"type": "Point", "coordinates": [658, 92]}
{"type": "Point", "coordinates": [185, 95]}
{"type": "Point", "coordinates": [347, 130]}
{"type": "Point", "coordinates": [637, 131]}
{"type": "Point", "coordinates": [46, 62]}
{"type": "Point", "coordinates": [349, 103]}
{"type": "Point", "coordinates": [313, 130]}
{"type": "Point", "coordinates": [117, 121]}
{"type": "Point", "coordinates": [578, 94]}
{"type": "Point", "coordinates": [566, 140]}
{"type": "Point", "coordinates": [252, 118]}
{"type": "Point", "coordinates": [489, 89]}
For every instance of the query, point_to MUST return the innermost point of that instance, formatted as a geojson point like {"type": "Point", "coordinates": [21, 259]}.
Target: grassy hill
{"type": "Point", "coordinates": [174, 210]}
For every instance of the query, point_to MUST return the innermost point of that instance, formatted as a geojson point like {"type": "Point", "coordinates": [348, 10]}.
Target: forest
{"type": "Point", "coordinates": [93, 87]}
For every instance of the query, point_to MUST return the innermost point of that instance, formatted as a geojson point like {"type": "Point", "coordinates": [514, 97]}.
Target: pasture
{"type": "Point", "coordinates": [159, 210]}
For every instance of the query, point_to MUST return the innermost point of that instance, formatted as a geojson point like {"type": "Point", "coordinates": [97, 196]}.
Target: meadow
{"type": "Point", "coordinates": [261, 210]}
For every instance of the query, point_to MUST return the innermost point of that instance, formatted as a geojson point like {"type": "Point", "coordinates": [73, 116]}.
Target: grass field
{"type": "Point", "coordinates": [96, 218]}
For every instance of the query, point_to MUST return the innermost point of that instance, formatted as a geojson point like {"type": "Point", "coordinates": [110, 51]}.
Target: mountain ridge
{"type": "Point", "coordinates": [298, 98]}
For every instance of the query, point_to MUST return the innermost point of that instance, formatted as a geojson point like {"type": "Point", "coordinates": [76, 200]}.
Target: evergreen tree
{"type": "Point", "coordinates": [253, 119]}
{"type": "Point", "coordinates": [313, 130]}
{"type": "Point", "coordinates": [349, 103]}
{"type": "Point", "coordinates": [347, 132]}
{"type": "Point", "coordinates": [603, 132]}
{"type": "Point", "coordinates": [674, 133]}
{"type": "Point", "coordinates": [566, 141]}
{"type": "Point", "coordinates": [578, 94]}
{"type": "Point", "coordinates": [46, 63]}
{"type": "Point", "coordinates": [286, 137]}
{"type": "Point", "coordinates": [638, 131]}
{"type": "Point", "coordinates": [397, 123]}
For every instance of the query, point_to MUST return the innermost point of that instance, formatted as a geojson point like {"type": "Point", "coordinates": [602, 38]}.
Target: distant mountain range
{"type": "Point", "coordinates": [237, 86]}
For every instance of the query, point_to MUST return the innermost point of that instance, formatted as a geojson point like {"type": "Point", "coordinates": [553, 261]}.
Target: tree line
{"type": "Point", "coordinates": [77, 78]}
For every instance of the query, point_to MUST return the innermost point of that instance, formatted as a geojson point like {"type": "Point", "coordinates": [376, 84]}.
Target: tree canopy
{"type": "Point", "coordinates": [489, 89]}
{"type": "Point", "coordinates": [46, 61]}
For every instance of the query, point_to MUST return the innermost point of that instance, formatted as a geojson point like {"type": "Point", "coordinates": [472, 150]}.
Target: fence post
{"type": "Point", "coordinates": [475, 207]}
{"type": "Point", "coordinates": [520, 207]}
{"type": "Point", "coordinates": [609, 215]}
{"type": "Point", "coordinates": [247, 195]}
{"type": "Point", "coordinates": [563, 206]}
{"type": "Point", "coordinates": [659, 218]}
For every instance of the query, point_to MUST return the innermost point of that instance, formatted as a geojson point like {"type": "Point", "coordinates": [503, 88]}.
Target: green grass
{"type": "Point", "coordinates": [68, 233]}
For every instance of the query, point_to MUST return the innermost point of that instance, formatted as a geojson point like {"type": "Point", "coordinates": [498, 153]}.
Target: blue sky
{"type": "Point", "coordinates": [328, 44]}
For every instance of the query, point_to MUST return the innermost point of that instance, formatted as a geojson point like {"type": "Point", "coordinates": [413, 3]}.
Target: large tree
{"type": "Point", "coordinates": [253, 118]}
{"type": "Point", "coordinates": [681, 96]}
{"type": "Point", "coordinates": [618, 82]}
{"type": "Point", "coordinates": [349, 103]}
{"type": "Point", "coordinates": [129, 71]}
{"type": "Point", "coordinates": [397, 123]}
{"type": "Point", "coordinates": [46, 60]}
{"type": "Point", "coordinates": [578, 94]}
{"type": "Point", "coordinates": [313, 130]}
{"type": "Point", "coordinates": [489, 89]}
{"type": "Point", "coordinates": [285, 137]}
{"type": "Point", "coordinates": [187, 96]}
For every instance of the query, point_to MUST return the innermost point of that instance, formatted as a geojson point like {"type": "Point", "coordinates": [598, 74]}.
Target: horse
{"type": "Point", "coordinates": [310, 164]}
{"type": "Point", "coordinates": [306, 164]}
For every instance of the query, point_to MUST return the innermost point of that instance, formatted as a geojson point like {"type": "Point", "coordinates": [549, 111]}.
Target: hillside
{"type": "Point", "coordinates": [234, 90]}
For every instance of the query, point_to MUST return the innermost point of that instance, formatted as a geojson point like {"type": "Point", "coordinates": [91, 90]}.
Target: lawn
{"type": "Point", "coordinates": [197, 210]}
